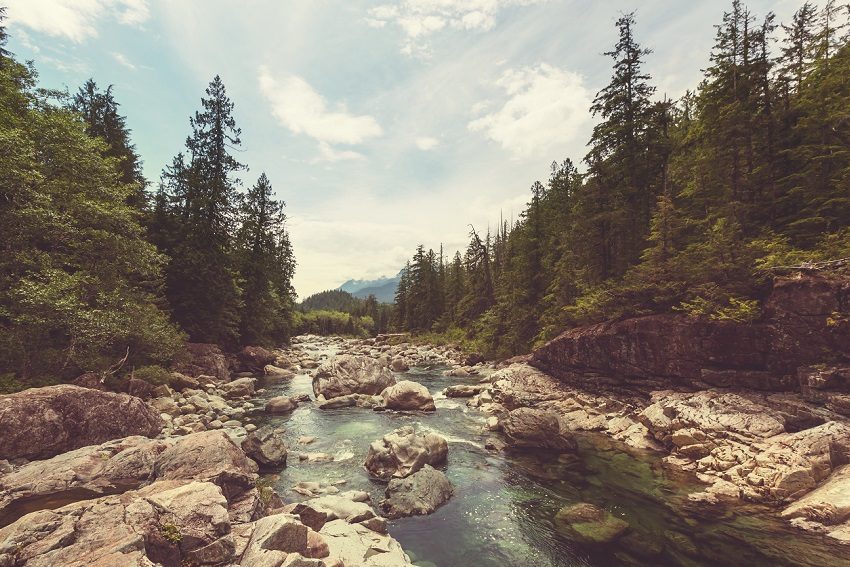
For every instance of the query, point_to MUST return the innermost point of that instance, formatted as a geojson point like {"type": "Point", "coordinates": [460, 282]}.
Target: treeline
{"type": "Point", "coordinates": [337, 312]}
{"type": "Point", "coordinates": [682, 205]}
{"type": "Point", "coordinates": [97, 275]}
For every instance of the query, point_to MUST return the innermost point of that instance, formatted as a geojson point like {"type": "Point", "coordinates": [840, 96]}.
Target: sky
{"type": "Point", "coordinates": [382, 125]}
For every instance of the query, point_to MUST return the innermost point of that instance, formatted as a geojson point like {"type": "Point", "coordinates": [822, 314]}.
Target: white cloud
{"type": "Point", "coordinates": [75, 19]}
{"type": "Point", "coordinates": [419, 19]}
{"type": "Point", "coordinates": [329, 153]}
{"type": "Point", "coordinates": [298, 107]}
{"type": "Point", "coordinates": [545, 108]}
{"type": "Point", "coordinates": [122, 59]}
{"type": "Point", "coordinates": [426, 143]}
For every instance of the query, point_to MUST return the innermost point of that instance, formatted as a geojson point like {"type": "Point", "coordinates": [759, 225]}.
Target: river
{"type": "Point", "coordinates": [501, 513]}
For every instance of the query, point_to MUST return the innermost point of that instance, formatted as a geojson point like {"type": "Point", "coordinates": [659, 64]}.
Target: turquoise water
{"type": "Point", "coordinates": [501, 513]}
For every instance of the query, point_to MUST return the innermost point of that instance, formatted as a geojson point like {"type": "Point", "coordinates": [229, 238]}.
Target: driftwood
{"type": "Point", "coordinates": [814, 266]}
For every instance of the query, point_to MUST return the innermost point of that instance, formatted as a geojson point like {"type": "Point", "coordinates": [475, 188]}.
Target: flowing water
{"type": "Point", "coordinates": [501, 513]}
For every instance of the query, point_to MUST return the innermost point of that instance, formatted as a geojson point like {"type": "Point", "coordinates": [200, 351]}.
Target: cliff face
{"type": "Point", "coordinates": [806, 321]}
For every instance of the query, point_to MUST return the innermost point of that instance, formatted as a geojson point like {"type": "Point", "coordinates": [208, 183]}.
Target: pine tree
{"type": "Point", "coordinates": [100, 114]}
{"type": "Point", "coordinates": [266, 267]}
{"type": "Point", "coordinates": [202, 278]}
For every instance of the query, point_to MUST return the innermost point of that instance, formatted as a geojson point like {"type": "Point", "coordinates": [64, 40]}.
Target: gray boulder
{"type": "Point", "coordinates": [418, 494]}
{"type": "Point", "coordinates": [403, 452]}
{"type": "Point", "coordinates": [349, 374]}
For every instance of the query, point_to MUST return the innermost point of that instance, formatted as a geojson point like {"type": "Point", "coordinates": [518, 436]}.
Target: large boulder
{"type": "Point", "coordinates": [656, 351]}
{"type": "Point", "coordinates": [349, 374]}
{"type": "Point", "coordinates": [273, 539]}
{"type": "Point", "coordinates": [210, 456]}
{"type": "Point", "coordinates": [266, 446]}
{"type": "Point", "coordinates": [416, 495]}
{"type": "Point", "coordinates": [239, 388]}
{"type": "Point", "coordinates": [202, 359]}
{"type": "Point", "coordinates": [42, 422]}
{"type": "Point", "coordinates": [530, 428]}
{"type": "Point", "coordinates": [403, 452]}
{"type": "Point", "coordinates": [254, 358]}
{"type": "Point", "coordinates": [166, 523]}
{"type": "Point", "coordinates": [125, 464]}
{"type": "Point", "coordinates": [408, 396]}
{"type": "Point", "coordinates": [356, 544]}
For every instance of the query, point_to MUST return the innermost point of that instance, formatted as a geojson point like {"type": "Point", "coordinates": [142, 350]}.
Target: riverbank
{"type": "Point", "coordinates": [229, 469]}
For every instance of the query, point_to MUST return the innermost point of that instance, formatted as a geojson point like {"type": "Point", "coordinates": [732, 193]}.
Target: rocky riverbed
{"type": "Point", "coordinates": [357, 452]}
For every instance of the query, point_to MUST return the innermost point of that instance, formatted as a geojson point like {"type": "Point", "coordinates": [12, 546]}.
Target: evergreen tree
{"type": "Point", "coordinates": [202, 276]}
{"type": "Point", "coordinates": [266, 268]}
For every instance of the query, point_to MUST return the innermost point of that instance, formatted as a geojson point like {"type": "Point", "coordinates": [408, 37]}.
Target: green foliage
{"type": "Point", "coordinates": [171, 533]}
{"type": "Point", "coordinates": [323, 322]}
{"type": "Point", "coordinates": [690, 205]}
{"type": "Point", "coordinates": [153, 374]}
{"type": "Point", "coordinates": [79, 284]}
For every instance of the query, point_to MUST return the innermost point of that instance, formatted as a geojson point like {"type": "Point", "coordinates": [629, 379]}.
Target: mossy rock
{"type": "Point", "coordinates": [588, 524]}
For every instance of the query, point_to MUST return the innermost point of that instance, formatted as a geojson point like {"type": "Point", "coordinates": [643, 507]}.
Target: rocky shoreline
{"type": "Point", "coordinates": [105, 479]}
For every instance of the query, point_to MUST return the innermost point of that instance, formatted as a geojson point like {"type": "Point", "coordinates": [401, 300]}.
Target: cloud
{"type": "Point", "coordinates": [419, 19]}
{"type": "Point", "coordinates": [545, 108]}
{"type": "Point", "coordinates": [426, 143]}
{"type": "Point", "coordinates": [75, 19]}
{"type": "Point", "coordinates": [298, 107]}
{"type": "Point", "coordinates": [122, 59]}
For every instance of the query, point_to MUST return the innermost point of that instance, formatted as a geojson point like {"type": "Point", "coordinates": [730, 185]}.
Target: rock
{"type": "Point", "coordinates": [273, 539]}
{"type": "Point", "coordinates": [588, 524]}
{"type": "Point", "coordinates": [416, 495]}
{"type": "Point", "coordinates": [42, 422]}
{"type": "Point", "coordinates": [210, 456]}
{"type": "Point", "coordinates": [473, 358]}
{"type": "Point", "coordinates": [403, 452]}
{"type": "Point", "coordinates": [168, 522]}
{"type": "Point", "coordinates": [182, 382]}
{"type": "Point", "coordinates": [165, 405]}
{"type": "Point", "coordinates": [272, 372]}
{"type": "Point", "coordinates": [281, 404]}
{"type": "Point", "coordinates": [348, 374]}
{"type": "Point", "coordinates": [254, 358]}
{"type": "Point", "coordinates": [408, 396]}
{"type": "Point", "coordinates": [201, 359]}
{"type": "Point", "coordinates": [239, 388]}
{"type": "Point", "coordinates": [529, 428]}
{"type": "Point", "coordinates": [399, 365]}
{"type": "Point", "coordinates": [828, 504]}
{"type": "Point", "coordinates": [350, 401]}
{"type": "Point", "coordinates": [266, 446]}
{"type": "Point", "coordinates": [656, 351]}
{"type": "Point", "coordinates": [465, 390]}
{"type": "Point", "coordinates": [357, 545]}
{"type": "Point", "coordinates": [141, 389]}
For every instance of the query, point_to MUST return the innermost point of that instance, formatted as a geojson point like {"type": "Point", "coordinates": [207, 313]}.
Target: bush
{"type": "Point", "coordinates": [154, 374]}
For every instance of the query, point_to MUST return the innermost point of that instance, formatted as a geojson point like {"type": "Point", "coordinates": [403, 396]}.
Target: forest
{"type": "Point", "coordinates": [337, 312]}
{"type": "Point", "coordinates": [98, 272]}
{"type": "Point", "coordinates": [683, 205]}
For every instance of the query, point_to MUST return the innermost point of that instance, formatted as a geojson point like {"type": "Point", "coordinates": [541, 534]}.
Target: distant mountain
{"type": "Point", "coordinates": [382, 288]}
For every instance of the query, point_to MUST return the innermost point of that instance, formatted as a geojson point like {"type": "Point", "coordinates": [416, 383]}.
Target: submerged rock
{"type": "Point", "coordinates": [350, 401]}
{"type": "Point", "coordinates": [69, 417]}
{"type": "Point", "coordinates": [586, 523]}
{"type": "Point", "coordinates": [408, 396]}
{"type": "Point", "coordinates": [349, 374]}
{"type": "Point", "coordinates": [403, 452]}
{"type": "Point", "coordinates": [529, 428]}
{"type": "Point", "coordinates": [465, 390]}
{"type": "Point", "coordinates": [281, 404]}
{"type": "Point", "coordinates": [418, 494]}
